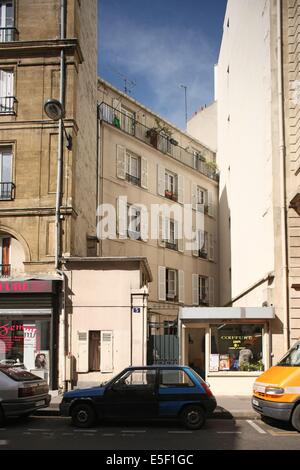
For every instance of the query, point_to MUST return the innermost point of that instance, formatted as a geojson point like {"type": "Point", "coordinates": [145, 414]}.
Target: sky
{"type": "Point", "coordinates": [158, 45]}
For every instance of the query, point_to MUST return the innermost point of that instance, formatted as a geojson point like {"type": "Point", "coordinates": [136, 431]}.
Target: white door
{"type": "Point", "coordinates": [106, 364]}
{"type": "Point", "coordinates": [6, 20]}
{"type": "Point", "coordinates": [6, 90]}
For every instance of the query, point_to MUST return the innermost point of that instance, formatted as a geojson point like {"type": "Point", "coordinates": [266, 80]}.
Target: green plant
{"type": "Point", "coordinates": [211, 165]}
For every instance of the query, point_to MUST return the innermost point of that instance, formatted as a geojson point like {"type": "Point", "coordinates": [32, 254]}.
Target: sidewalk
{"type": "Point", "coordinates": [235, 407]}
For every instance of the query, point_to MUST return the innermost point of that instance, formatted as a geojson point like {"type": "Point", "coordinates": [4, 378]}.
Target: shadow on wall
{"type": "Point", "coordinates": [225, 249]}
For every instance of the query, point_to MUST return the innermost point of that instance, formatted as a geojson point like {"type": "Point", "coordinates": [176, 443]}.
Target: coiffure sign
{"type": "Point", "coordinates": [25, 287]}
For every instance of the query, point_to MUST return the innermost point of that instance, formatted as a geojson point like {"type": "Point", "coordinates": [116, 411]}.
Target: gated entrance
{"type": "Point", "coordinates": [163, 343]}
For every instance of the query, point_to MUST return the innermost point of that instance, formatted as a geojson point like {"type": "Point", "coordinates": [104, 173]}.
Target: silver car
{"type": "Point", "coordinates": [21, 392]}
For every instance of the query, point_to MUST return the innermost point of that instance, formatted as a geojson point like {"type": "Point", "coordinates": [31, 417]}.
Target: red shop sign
{"type": "Point", "coordinates": [25, 287]}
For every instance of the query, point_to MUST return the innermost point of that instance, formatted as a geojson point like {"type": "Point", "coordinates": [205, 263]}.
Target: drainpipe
{"type": "Point", "coordinates": [63, 320]}
{"type": "Point", "coordinates": [282, 155]}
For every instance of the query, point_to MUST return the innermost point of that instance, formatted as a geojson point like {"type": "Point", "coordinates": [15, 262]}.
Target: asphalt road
{"type": "Point", "coordinates": [58, 433]}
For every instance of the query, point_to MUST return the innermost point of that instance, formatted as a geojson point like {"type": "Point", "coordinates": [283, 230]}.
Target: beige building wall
{"type": "Point", "coordinates": [113, 187]}
{"type": "Point", "coordinates": [203, 126]}
{"type": "Point", "coordinates": [94, 306]}
{"type": "Point", "coordinates": [34, 60]}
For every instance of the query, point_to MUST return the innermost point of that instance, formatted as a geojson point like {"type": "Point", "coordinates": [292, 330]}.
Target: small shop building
{"type": "Point", "coordinates": [229, 347]}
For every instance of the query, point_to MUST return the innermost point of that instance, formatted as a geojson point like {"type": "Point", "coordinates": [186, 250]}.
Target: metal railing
{"type": "Point", "coordinates": [7, 191]}
{"type": "Point", "coordinates": [152, 137]}
{"type": "Point", "coordinates": [171, 245]}
{"type": "Point", "coordinates": [133, 179]}
{"type": "Point", "coordinates": [5, 270]}
{"type": "Point", "coordinates": [8, 105]}
{"type": "Point", "coordinates": [9, 34]}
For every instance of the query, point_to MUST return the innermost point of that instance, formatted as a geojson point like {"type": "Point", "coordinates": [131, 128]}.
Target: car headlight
{"type": "Point", "coordinates": [274, 391]}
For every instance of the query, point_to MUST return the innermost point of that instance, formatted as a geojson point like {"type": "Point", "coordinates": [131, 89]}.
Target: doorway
{"type": "Point", "coordinates": [195, 340]}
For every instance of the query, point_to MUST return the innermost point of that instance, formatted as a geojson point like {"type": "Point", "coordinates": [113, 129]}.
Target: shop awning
{"type": "Point", "coordinates": [226, 313]}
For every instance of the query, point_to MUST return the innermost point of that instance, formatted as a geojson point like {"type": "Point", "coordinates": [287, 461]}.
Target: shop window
{"type": "Point", "coordinates": [236, 348]}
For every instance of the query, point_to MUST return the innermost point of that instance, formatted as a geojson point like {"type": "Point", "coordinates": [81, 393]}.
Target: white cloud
{"type": "Point", "coordinates": [160, 59]}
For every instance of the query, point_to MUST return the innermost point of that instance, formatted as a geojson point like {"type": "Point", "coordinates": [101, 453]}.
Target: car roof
{"type": "Point", "coordinates": [158, 366]}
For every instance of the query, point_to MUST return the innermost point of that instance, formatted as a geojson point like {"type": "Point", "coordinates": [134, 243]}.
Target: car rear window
{"type": "Point", "coordinates": [18, 374]}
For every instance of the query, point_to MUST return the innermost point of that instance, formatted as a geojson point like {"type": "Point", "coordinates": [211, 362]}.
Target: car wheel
{"type": "Point", "coordinates": [193, 417]}
{"type": "Point", "coordinates": [296, 418]}
{"type": "Point", "coordinates": [83, 415]}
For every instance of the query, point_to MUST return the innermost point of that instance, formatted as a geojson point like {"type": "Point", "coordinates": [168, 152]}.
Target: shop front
{"type": "Point", "coordinates": [229, 347]}
{"type": "Point", "coordinates": [29, 326]}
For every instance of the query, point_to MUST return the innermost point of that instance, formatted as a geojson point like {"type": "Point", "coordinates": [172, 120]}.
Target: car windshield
{"type": "Point", "coordinates": [292, 357]}
{"type": "Point", "coordinates": [18, 374]}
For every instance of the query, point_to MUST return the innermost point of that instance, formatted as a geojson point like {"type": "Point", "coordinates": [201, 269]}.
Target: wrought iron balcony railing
{"type": "Point", "coordinates": [152, 137]}
{"type": "Point", "coordinates": [8, 105]}
{"type": "Point", "coordinates": [5, 270]}
{"type": "Point", "coordinates": [7, 191]}
{"type": "Point", "coordinates": [9, 34]}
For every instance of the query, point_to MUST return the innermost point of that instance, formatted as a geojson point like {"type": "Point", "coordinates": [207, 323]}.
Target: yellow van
{"type": "Point", "coordinates": [276, 393]}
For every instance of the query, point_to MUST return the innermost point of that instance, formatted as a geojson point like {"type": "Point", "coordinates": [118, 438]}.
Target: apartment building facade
{"type": "Point", "coordinates": [146, 162]}
{"type": "Point", "coordinates": [48, 50]}
{"type": "Point", "coordinates": [257, 98]}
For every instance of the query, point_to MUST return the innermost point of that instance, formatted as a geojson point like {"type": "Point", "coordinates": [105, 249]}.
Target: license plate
{"type": "Point", "coordinates": [39, 403]}
{"type": "Point", "coordinates": [255, 402]}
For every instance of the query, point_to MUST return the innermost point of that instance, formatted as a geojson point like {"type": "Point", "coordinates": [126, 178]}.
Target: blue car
{"type": "Point", "coordinates": [143, 393]}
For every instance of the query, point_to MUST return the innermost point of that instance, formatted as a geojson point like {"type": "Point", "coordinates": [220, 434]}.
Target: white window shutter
{"type": "Point", "coordinates": [122, 214]}
{"type": "Point", "coordinates": [161, 283]}
{"type": "Point", "coordinates": [181, 286]}
{"type": "Point", "coordinates": [144, 173]}
{"type": "Point", "coordinates": [144, 224]}
{"type": "Point", "coordinates": [195, 289]}
{"type": "Point", "coordinates": [211, 291]}
{"type": "Point", "coordinates": [121, 162]}
{"type": "Point", "coordinates": [179, 235]}
{"type": "Point", "coordinates": [160, 180]}
{"type": "Point", "coordinates": [83, 351]}
{"type": "Point", "coordinates": [196, 244]}
{"type": "Point", "coordinates": [161, 230]}
{"type": "Point", "coordinates": [194, 196]}
{"type": "Point", "coordinates": [106, 354]}
{"type": "Point", "coordinates": [210, 204]}
{"type": "Point", "coordinates": [180, 189]}
{"type": "Point", "coordinates": [211, 247]}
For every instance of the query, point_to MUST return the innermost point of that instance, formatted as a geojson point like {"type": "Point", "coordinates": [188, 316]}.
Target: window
{"type": "Point", "coordinates": [203, 244]}
{"type": "Point", "coordinates": [137, 378]}
{"type": "Point", "coordinates": [5, 267]}
{"type": "Point", "coordinates": [7, 99]}
{"type": "Point", "coordinates": [236, 348]}
{"type": "Point", "coordinates": [171, 185]}
{"type": "Point", "coordinates": [174, 378]}
{"type": "Point", "coordinates": [171, 234]}
{"type": "Point", "coordinates": [201, 199]}
{"type": "Point", "coordinates": [127, 121]}
{"type": "Point", "coordinates": [133, 172]}
{"type": "Point", "coordinates": [94, 350]}
{"type": "Point", "coordinates": [6, 185]}
{"type": "Point", "coordinates": [203, 291]}
{"type": "Point", "coordinates": [134, 222]}
{"type": "Point", "coordinates": [7, 30]}
{"type": "Point", "coordinates": [197, 159]}
{"type": "Point", "coordinates": [171, 284]}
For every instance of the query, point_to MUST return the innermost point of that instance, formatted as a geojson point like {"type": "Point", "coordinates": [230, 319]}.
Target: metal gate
{"type": "Point", "coordinates": [163, 343]}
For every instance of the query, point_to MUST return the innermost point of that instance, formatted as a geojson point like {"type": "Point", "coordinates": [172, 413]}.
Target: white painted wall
{"type": "Point", "coordinates": [243, 88]}
{"type": "Point", "coordinates": [203, 126]}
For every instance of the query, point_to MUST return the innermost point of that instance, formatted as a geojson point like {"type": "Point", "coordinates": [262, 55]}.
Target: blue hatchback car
{"type": "Point", "coordinates": [143, 393]}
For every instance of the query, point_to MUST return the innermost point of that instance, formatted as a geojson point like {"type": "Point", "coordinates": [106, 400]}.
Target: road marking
{"type": "Point", "coordinates": [27, 433]}
{"type": "Point", "coordinates": [4, 443]}
{"type": "Point", "coordinates": [3, 429]}
{"type": "Point", "coordinates": [256, 427]}
{"type": "Point", "coordinates": [38, 430]}
{"type": "Point", "coordinates": [67, 434]}
{"type": "Point", "coordinates": [108, 434]}
{"type": "Point", "coordinates": [282, 433]}
{"type": "Point", "coordinates": [180, 432]}
{"type": "Point", "coordinates": [229, 432]}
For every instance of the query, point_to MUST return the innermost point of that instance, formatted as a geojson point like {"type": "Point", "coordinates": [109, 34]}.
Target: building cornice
{"type": "Point", "coordinates": [38, 48]}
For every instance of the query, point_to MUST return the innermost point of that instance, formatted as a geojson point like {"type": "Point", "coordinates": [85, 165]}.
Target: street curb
{"type": "Point", "coordinates": [223, 414]}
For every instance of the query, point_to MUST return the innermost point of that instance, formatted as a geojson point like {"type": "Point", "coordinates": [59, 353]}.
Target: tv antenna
{"type": "Point", "coordinates": [185, 102]}
{"type": "Point", "coordinates": [128, 84]}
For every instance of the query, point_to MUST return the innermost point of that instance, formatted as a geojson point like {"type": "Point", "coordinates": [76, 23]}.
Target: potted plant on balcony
{"type": "Point", "coordinates": [212, 166]}
{"type": "Point", "coordinates": [153, 133]}
{"type": "Point", "coordinates": [169, 194]}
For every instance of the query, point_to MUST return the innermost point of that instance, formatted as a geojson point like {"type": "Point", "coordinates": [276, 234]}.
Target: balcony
{"type": "Point", "coordinates": [203, 254]}
{"type": "Point", "coordinates": [171, 195]}
{"type": "Point", "coordinates": [5, 270]}
{"type": "Point", "coordinates": [133, 179]}
{"type": "Point", "coordinates": [7, 191]}
{"type": "Point", "coordinates": [9, 34]}
{"type": "Point", "coordinates": [151, 137]}
{"type": "Point", "coordinates": [8, 105]}
{"type": "Point", "coordinates": [171, 245]}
